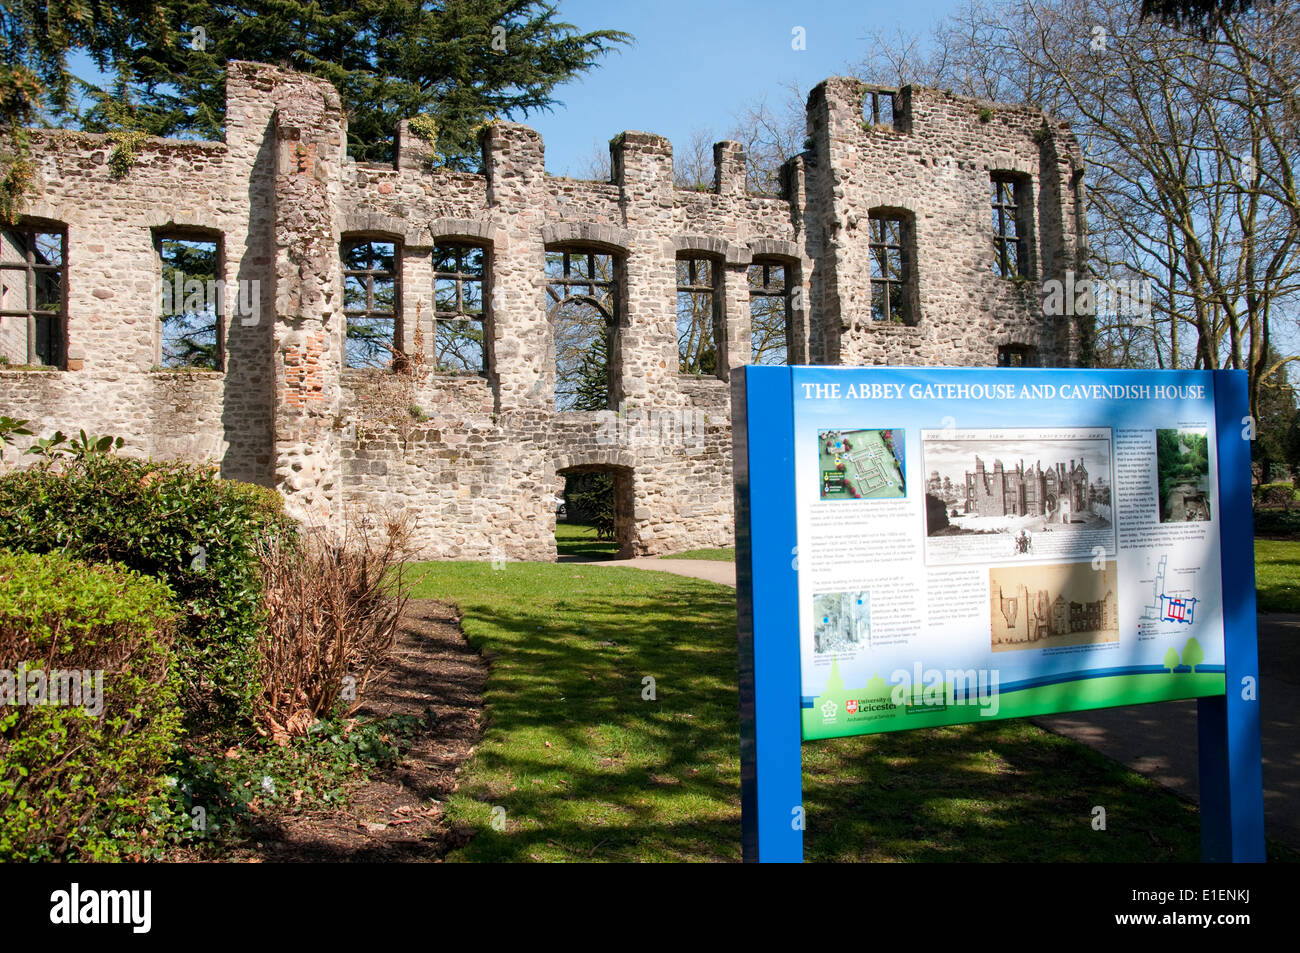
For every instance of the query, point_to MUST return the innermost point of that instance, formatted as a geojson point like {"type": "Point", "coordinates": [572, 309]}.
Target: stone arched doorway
{"type": "Point", "coordinates": [621, 497]}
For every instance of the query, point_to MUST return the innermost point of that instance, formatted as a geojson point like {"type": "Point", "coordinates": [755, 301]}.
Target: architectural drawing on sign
{"type": "Point", "coordinates": [405, 337]}
{"type": "Point", "coordinates": [1044, 606]}
{"type": "Point", "coordinates": [1051, 501]}
{"type": "Point", "coordinates": [1059, 494]}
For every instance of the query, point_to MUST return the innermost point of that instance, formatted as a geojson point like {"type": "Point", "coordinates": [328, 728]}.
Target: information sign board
{"type": "Point", "coordinates": [931, 546]}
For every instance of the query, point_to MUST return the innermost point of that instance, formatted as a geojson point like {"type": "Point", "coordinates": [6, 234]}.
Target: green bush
{"type": "Point", "coordinates": [179, 524]}
{"type": "Point", "coordinates": [1277, 523]}
{"type": "Point", "coordinates": [83, 779]}
{"type": "Point", "coordinates": [1275, 494]}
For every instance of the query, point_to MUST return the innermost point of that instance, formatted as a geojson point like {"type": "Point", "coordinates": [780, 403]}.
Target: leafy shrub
{"type": "Point", "coordinates": [1277, 523]}
{"type": "Point", "coordinates": [332, 609]}
{"type": "Point", "coordinates": [1275, 494]}
{"type": "Point", "coordinates": [9, 426]}
{"type": "Point", "coordinates": [179, 524]}
{"type": "Point", "coordinates": [238, 788]}
{"type": "Point", "coordinates": [83, 779]}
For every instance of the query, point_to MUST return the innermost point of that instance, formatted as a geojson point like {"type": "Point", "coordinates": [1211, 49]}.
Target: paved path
{"type": "Point", "coordinates": [712, 570]}
{"type": "Point", "coordinates": [1159, 741]}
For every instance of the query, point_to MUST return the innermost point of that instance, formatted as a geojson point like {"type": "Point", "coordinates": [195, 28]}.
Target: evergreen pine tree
{"type": "Point", "coordinates": [456, 63]}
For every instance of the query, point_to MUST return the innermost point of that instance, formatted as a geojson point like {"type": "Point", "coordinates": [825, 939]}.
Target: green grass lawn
{"type": "Point", "coordinates": [586, 768]}
{"type": "Point", "coordinates": [727, 555]}
{"type": "Point", "coordinates": [1277, 575]}
{"type": "Point", "coordinates": [579, 539]}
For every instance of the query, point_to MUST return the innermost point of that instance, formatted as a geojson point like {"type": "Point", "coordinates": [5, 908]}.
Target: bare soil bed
{"type": "Point", "coordinates": [397, 815]}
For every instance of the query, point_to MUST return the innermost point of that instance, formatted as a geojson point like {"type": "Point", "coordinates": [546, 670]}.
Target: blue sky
{"type": "Point", "coordinates": [696, 63]}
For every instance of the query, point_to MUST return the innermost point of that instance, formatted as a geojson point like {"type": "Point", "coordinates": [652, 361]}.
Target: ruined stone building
{"type": "Point", "coordinates": [1029, 617]}
{"type": "Point", "coordinates": [1058, 492]}
{"type": "Point", "coordinates": [917, 228]}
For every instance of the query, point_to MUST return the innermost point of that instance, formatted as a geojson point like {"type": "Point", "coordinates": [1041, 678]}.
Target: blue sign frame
{"type": "Point", "coordinates": [763, 421]}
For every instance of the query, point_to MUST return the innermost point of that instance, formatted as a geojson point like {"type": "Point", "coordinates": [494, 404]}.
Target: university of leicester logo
{"type": "Point", "coordinates": [851, 706]}
{"type": "Point", "coordinates": [828, 711]}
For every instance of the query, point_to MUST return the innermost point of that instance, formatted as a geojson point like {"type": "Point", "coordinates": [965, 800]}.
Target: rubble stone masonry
{"type": "Point", "coordinates": [475, 458]}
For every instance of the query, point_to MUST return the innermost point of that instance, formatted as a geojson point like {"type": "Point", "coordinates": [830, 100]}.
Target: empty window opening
{"type": "Point", "coordinates": [1010, 251]}
{"type": "Point", "coordinates": [698, 337]}
{"type": "Point", "coordinates": [370, 302]}
{"type": "Point", "coordinates": [33, 284]}
{"type": "Point", "coordinates": [880, 108]}
{"type": "Point", "coordinates": [192, 320]}
{"type": "Point", "coordinates": [1016, 355]}
{"type": "Point", "coordinates": [459, 279]}
{"type": "Point", "coordinates": [770, 291]}
{"type": "Point", "coordinates": [583, 307]}
{"type": "Point", "coordinates": [891, 293]}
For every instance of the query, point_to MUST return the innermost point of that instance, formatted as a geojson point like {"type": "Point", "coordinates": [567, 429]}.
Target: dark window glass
{"type": "Point", "coordinates": [1015, 355]}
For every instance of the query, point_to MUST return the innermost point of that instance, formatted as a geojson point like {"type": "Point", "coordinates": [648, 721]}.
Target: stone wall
{"type": "Point", "coordinates": [932, 167]}
{"type": "Point", "coordinates": [475, 459]}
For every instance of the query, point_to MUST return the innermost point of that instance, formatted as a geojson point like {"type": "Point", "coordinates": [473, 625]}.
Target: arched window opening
{"type": "Point", "coordinates": [370, 302]}
{"type": "Point", "coordinates": [699, 338]}
{"type": "Point", "coordinates": [192, 317]}
{"type": "Point", "coordinates": [33, 295]}
{"type": "Point", "coordinates": [889, 246]}
{"type": "Point", "coordinates": [459, 286]}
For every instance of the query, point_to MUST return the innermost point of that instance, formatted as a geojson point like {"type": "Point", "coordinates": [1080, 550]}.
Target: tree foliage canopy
{"type": "Point", "coordinates": [1189, 139]}
{"type": "Point", "coordinates": [1206, 14]}
{"type": "Point", "coordinates": [458, 62]}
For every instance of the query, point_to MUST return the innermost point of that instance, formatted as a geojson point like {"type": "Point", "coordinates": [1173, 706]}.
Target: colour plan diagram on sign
{"type": "Point", "coordinates": [862, 464]}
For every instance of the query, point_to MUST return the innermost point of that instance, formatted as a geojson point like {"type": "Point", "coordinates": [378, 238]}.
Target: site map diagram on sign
{"type": "Point", "coordinates": [862, 465]}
